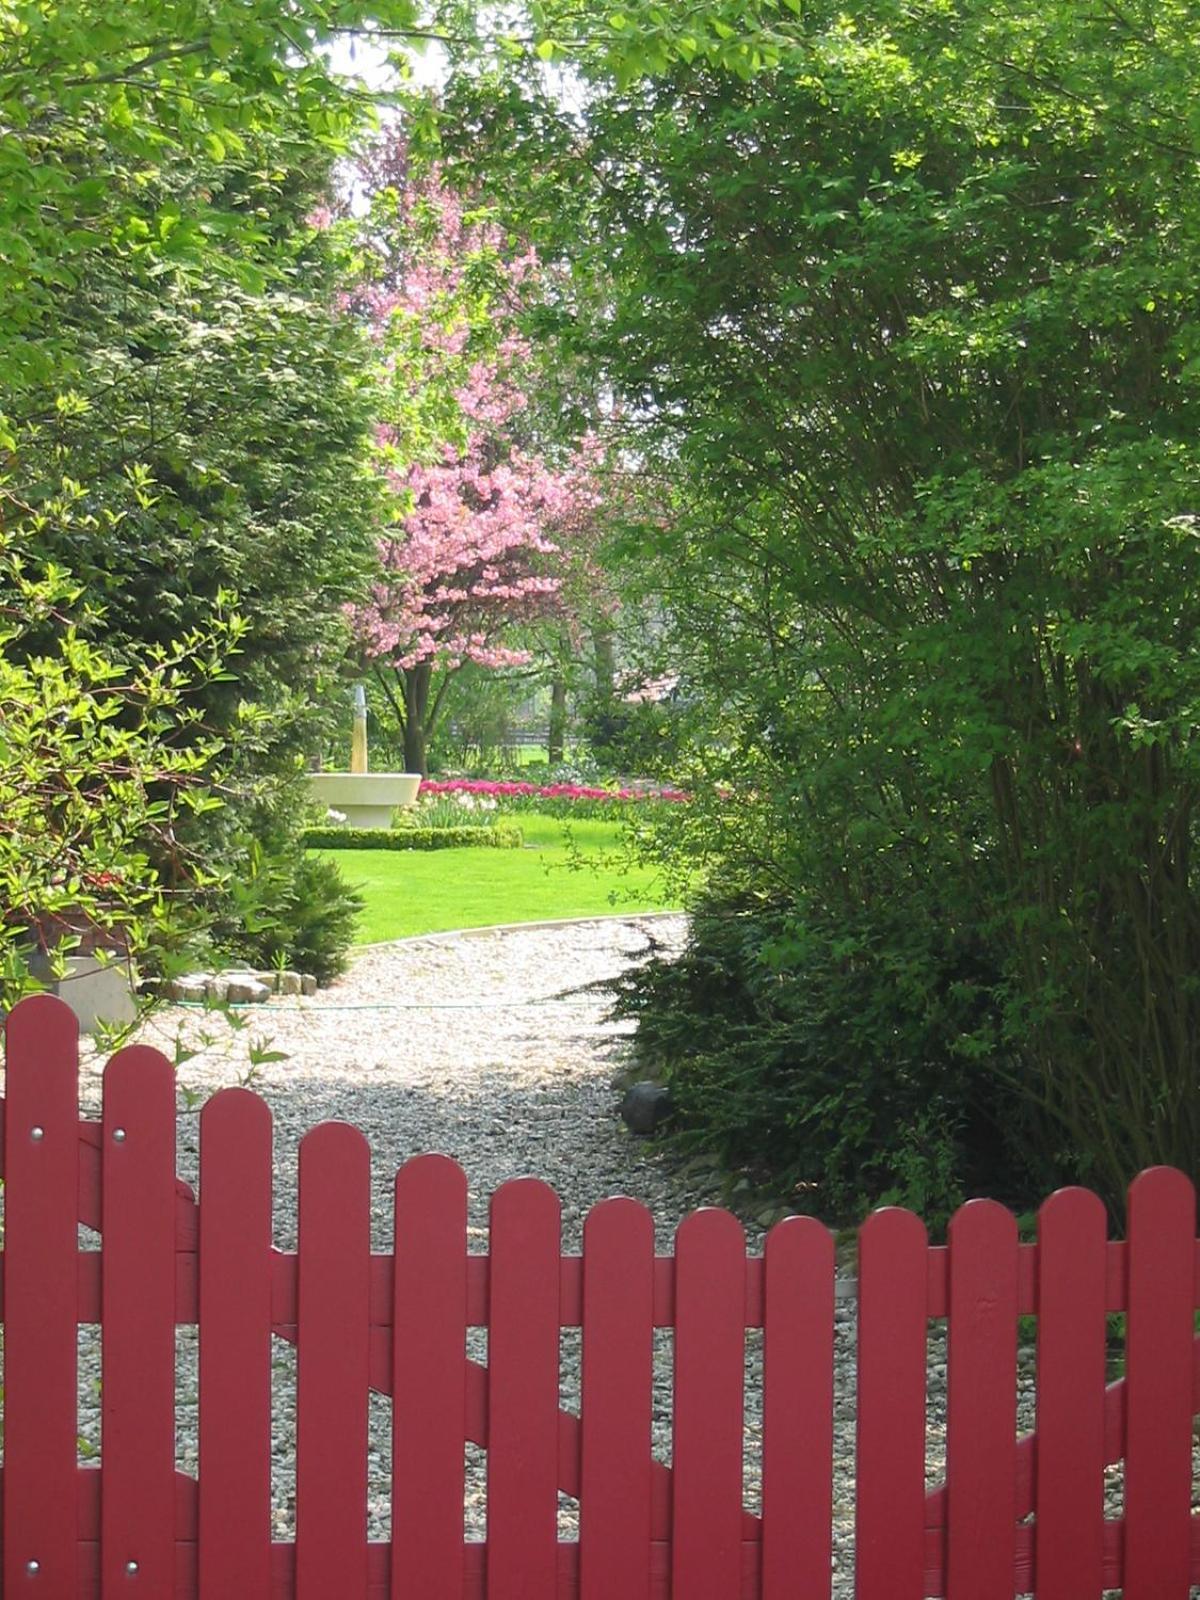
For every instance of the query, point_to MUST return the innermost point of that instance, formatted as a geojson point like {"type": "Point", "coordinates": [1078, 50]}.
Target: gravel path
{"type": "Point", "coordinates": [480, 1046]}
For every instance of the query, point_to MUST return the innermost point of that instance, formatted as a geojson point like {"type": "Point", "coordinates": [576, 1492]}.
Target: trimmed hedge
{"type": "Point", "coordinates": [499, 836]}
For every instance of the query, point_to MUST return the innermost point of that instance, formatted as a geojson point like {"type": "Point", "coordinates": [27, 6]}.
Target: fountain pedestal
{"type": "Point", "coordinates": [365, 799]}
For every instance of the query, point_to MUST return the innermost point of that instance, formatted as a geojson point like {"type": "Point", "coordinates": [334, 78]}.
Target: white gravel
{"type": "Point", "coordinates": [481, 1046]}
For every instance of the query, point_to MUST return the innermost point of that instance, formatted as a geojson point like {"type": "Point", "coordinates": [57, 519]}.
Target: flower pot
{"type": "Point", "coordinates": [365, 799]}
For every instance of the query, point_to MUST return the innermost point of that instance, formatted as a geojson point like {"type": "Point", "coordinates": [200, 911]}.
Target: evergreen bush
{"type": "Point", "coordinates": [503, 836]}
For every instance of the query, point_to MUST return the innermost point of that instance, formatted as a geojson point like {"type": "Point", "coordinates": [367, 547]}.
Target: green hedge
{"type": "Point", "coordinates": [499, 836]}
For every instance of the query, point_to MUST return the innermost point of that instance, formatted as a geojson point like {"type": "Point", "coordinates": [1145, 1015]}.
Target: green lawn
{"type": "Point", "coordinates": [429, 891]}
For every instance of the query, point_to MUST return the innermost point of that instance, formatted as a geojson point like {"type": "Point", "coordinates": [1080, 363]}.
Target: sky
{"type": "Point", "coordinates": [357, 56]}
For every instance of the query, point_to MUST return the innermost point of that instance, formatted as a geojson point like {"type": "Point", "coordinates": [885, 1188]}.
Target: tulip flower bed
{"type": "Point", "coordinates": [574, 800]}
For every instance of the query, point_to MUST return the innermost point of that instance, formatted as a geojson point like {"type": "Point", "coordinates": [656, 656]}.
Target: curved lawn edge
{"type": "Point", "coordinates": [515, 927]}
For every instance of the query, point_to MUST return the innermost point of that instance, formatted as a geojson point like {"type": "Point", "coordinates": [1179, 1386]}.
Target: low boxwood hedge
{"type": "Point", "coordinates": [498, 836]}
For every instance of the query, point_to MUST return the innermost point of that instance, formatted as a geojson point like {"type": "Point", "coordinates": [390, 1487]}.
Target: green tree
{"type": "Point", "coordinates": [907, 317]}
{"type": "Point", "coordinates": [222, 436]}
{"type": "Point", "coordinates": [97, 102]}
{"type": "Point", "coordinates": [173, 361]}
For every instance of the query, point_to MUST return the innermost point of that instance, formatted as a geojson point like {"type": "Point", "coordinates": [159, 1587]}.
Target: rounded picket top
{"type": "Point", "coordinates": [41, 1071]}
{"type": "Point", "coordinates": [891, 1211]}
{"type": "Point", "coordinates": [620, 1231]}
{"type": "Point", "coordinates": [335, 1151]}
{"type": "Point", "coordinates": [530, 1198]}
{"type": "Point", "coordinates": [432, 1163]}
{"type": "Point", "coordinates": [139, 1060]}
{"type": "Point", "coordinates": [618, 1218]}
{"type": "Point", "coordinates": [985, 1223]}
{"type": "Point", "coordinates": [1165, 1189]}
{"type": "Point", "coordinates": [40, 1016]}
{"type": "Point", "coordinates": [1073, 1206]}
{"type": "Point", "coordinates": [712, 1225]}
{"type": "Point", "coordinates": [237, 1129]}
{"type": "Point", "coordinates": [892, 1228]}
{"type": "Point", "coordinates": [430, 1180]}
{"type": "Point", "coordinates": [801, 1237]}
{"type": "Point", "coordinates": [235, 1108]}
{"type": "Point", "coordinates": [334, 1136]}
{"type": "Point", "coordinates": [139, 1084]}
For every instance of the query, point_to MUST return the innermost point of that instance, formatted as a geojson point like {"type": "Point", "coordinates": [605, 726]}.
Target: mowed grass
{"type": "Point", "coordinates": [411, 892]}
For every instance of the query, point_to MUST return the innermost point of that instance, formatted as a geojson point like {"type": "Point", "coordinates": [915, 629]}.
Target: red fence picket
{"type": "Point", "coordinates": [41, 1241]}
{"type": "Point", "coordinates": [1158, 1453]}
{"type": "Point", "coordinates": [1072, 1229]}
{"type": "Point", "coordinates": [981, 1398]}
{"type": "Point", "coordinates": [332, 1370]}
{"type": "Point", "coordinates": [137, 1387]}
{"type": "Point", "coordinates": [618, 1361]}
{"type": "Point", "coordinates": [235, 1348]}
{"type": "Point", "coordinates": [1011, 1517]}
{"type": "Point", "coordinates": [710, 1321]}
{"type": "Point", "coordinates": [798, 1318]}
{"type": "Point", "coordinates": [889, 1548]}
{"type": "Point", "coordinates": [429, 1375]}
{"type": "Point", "coordinates": [523, 1323]}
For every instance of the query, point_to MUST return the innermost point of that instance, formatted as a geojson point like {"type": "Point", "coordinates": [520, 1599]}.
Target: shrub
{"type": "Point", "coordinates": [502, 836]}
{"type": "Point", "coordinates": [100, 759]}
{"type": "Point", "coordinates": [842, 1055]}
{"type": "Point", "coordinates": [319, 915]}
{"type": "Point", "coordinates": [633, 737]}
{"type": "Point", "coordinates": [290, 908]}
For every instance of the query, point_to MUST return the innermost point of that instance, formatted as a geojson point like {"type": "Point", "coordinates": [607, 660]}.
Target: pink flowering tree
{"type": "Point", "coordinates": [487, 527]}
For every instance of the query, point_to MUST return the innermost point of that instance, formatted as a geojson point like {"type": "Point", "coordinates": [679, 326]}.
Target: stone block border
{"type": "Point", "coordinates": [240, 988]}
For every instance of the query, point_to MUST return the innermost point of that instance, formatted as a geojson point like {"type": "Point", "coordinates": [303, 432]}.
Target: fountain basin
{"type": "Point", "coordinates": [365, 799]}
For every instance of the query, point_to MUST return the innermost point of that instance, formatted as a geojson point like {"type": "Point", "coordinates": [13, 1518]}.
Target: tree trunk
{"type": "Point", "coordinates": [416, 711]}
{"type": "Point", "coordinates": [558, 719]}
{"type": "Point", "coordinates": [604, 716]}
{"type": "Point", "coordinates": [604, 657]}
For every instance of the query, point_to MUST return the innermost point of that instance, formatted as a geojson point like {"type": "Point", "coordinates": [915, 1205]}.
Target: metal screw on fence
{"type": "Point", "coordinates": [131, 1567]}
{"type": "Point", "coordinates": [33, 1567]}
{"type": "Point", "coordinates": [118, 1135]}
{"type": "Point", "coordinates": [37, 1133]}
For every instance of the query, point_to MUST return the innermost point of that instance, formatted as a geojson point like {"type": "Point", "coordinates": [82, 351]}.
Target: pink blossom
{"type": "Point", "coordinates": [492, 534]}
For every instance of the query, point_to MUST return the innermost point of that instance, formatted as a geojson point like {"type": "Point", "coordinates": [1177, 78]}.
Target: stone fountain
{"type": "Point", "coordinates": [365, 799]}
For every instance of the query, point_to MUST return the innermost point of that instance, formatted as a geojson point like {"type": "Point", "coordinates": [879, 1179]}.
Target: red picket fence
{"type": "Point", "coordinates": [1014, 1516]}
